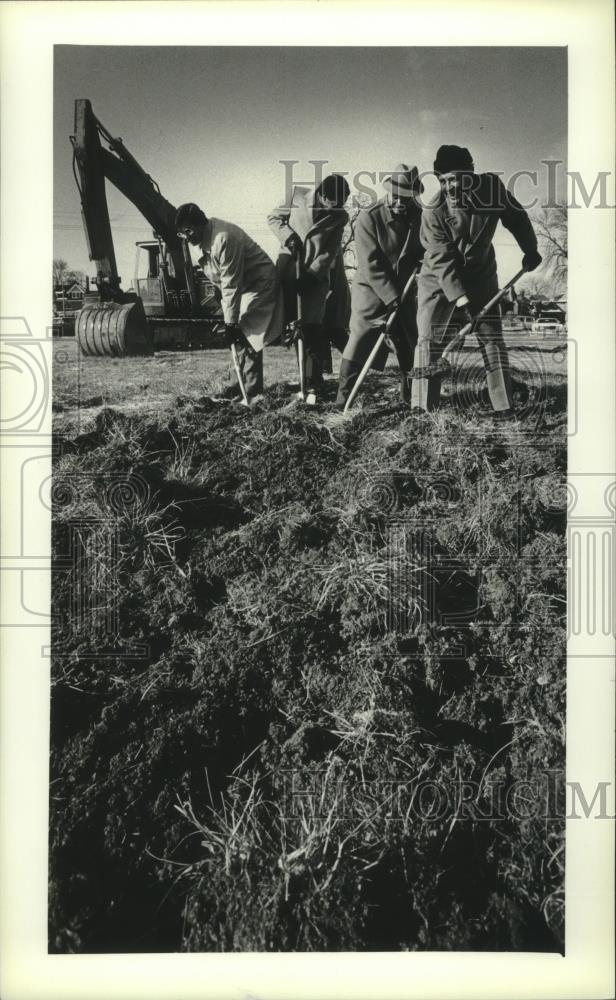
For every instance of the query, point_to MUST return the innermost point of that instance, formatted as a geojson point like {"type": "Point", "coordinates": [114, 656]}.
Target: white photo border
{"type": "Point", "coordinates": [28, 33]}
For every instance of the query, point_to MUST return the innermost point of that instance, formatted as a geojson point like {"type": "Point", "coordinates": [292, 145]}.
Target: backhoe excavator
{"type": "Point", "coordinates": [174, 305]}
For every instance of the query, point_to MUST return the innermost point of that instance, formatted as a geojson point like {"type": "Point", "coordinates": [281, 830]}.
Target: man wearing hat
{"type": "Point", "coordinates": [388, 249]}
{"type": "Point", "coordinates": [458, 276]}
{"type": "Point", "coordinates": [246, 278]}
{"type": "Point", "coordinates": [311, 229]}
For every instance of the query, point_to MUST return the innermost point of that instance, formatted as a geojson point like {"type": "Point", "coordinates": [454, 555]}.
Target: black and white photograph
{"type": "Point", "coordinates": [308, 681]}
{"type": "Point", "coordinates": [326, 574]}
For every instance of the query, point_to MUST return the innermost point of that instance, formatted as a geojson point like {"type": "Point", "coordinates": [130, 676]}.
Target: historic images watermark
{"type": "Point", "coordinates": [419, 509]}
{"type": "Point", "coordinates": [548, 187]}
{"type": "Point", "coordinates": [25, 449]}
{"type": "Point", "coordinates": [89, 562]}
{"type": "Point", "coordinates": [88, 559]}
{"type": "Point", "coordinates": [544, 796]}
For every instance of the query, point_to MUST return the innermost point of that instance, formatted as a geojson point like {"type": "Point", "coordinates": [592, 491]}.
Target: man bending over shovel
{"type": "Point", "coordinates": [251, 299]}
{"type": "Point", "coordinates": [458, 275]}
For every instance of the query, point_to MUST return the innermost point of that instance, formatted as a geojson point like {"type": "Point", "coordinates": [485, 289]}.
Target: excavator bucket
{"type": "Point", "coordinates": [111, 329]}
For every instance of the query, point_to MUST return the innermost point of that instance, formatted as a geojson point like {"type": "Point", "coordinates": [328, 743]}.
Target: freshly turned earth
{"type": "Point", "coordinates": [337, 643]}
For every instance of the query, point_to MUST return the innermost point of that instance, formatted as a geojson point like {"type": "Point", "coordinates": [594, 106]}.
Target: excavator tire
{"type": "Point", "coordinates": [113, 330]}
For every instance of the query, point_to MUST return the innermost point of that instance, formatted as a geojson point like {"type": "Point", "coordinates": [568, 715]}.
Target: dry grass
{"type": "Point", "coordinates": [366, 607]}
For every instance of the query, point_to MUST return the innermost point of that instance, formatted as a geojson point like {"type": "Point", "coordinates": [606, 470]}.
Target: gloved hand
{"type": "Point", "coordinates": [391, 326]}
{"type": "Point", "coordinates": [463, 309]}
{"type": "Point", "coordinates": [306, 282]}
{"type": "Point", "coordinates": [294, 244]}
{"type": "Point", "coordinates": [531, 260]}
{"type": "Point", "coordinates": [391, 308]}
{"type": "Point", "coordinates": [233, 334]}
{"type": "Point", "coordinates": [466, 315]}
{"type": "Point", "coordinates": [290, 333]}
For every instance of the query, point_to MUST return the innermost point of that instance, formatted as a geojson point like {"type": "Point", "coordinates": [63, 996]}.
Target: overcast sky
{"type": "Point", "coordinates": [212, 124]}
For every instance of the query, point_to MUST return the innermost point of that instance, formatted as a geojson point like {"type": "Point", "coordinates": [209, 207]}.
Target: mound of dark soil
{"type": "Point", "coordinates": [308, 683]}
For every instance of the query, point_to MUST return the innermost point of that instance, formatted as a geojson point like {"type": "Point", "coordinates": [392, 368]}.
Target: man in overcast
{"type": "Point", "coordinates": [250, 292]}
{"type": "Point", "coordinates": [310, 230]}
{"type": "Point", "coordinates": [388, 251]}
{"type": "Point", "coordinates": [458, 276]}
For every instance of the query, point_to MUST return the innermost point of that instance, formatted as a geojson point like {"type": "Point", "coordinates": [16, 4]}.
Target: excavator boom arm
{"type": "Point", "coordinates": [90, 178]}
{"type": "Point", "coordinates": [93, 165]}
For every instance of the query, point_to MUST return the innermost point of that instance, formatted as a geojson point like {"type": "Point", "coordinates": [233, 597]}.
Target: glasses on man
{"type": "Point", "coordinates": [186, 234]}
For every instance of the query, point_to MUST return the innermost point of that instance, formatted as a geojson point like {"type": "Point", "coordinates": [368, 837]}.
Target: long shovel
{"type": "Point", "coordinates": [300, 335]}
{"type": "Point", "coordinates": [443, 364]}
{"type": "Point", "coordinates": [380, 339]}
{"type": "Point", "coordinates": [238, 372]}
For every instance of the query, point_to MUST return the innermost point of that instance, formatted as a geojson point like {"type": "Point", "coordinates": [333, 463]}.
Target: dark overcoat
{"type": "Point", "coordinates": [328, 299]}
{"type": "Point", "coordinates": [459, 258]}
{"type": "Point", "coordinates": [388, 248]}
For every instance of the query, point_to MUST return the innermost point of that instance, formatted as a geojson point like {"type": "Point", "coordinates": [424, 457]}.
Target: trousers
{"type": "Point", "coordinates": [318, 340]}
{"type": "Point", "coordinates": [432, 341]}
{"type": "Point", "coordinates": [363, 336]}
{"type": "Point", "coordinates": [251, 367]}
{"type": "Point", "coordinates": [362, 340]}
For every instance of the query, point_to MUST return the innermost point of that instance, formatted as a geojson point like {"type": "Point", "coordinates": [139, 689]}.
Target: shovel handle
{"type": "Point", "coordinates": [360, 378]}
{"type": "Point", "coordinates": [238, 372]}
{"type": "Point", "coordinates": [300, 334]}
{"type": "Point", "coordinates": [298, 274]}
{"type": "Point", "coordinates": [377, 346]}
{"type": "Point", "coordinates": [460, 337]}
{"type": "Point", "coordinates": [301, 366]}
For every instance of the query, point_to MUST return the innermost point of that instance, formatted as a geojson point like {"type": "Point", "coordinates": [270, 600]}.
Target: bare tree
{"type": "Point", "coordinates": [64, 275]}
{"type": "Point", "coordinates": [537, 285]}
{"type": "Point", "coordinates": [60, 271]}
{"type": "Point", "coordinates": [349, 255]}
{"type": "Point", "coordinates": [551, 229]}
{"type": "Point", "coordinates": [78, 276]}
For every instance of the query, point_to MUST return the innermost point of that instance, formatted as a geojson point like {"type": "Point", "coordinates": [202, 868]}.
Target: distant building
{"type": "Point", "coordinates": [562, 305]}
{"type": "Point", "coordinates": [553, 311]}
{"type": "Point", "coordinates": [523, 305]}
{"type": "Point", "coordinates": [67, 301]}
{"type": "Point", "coordinates": [68, 297]}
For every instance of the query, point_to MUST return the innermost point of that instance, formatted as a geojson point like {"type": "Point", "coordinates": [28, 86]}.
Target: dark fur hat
{"type": "Point", "coordinates": [450, 158]}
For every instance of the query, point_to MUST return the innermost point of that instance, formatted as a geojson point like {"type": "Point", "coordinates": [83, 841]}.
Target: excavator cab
{"type": "Point", "coordinates": [148, 281]}
{"type": "Point", "coordinates": [165, 298]}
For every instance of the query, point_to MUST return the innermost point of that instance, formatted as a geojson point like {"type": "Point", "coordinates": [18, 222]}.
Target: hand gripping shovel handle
{"type": "Point", "coordinates": [375, 350]}
{"type": "Point", "coordinates": [238, 372]}
{"type": "Point", "coordinates": [442, 365]}
{"type": "Point", "coordinates": [459, 339]}
{"type": "Point", "coordinates": [300, 334]}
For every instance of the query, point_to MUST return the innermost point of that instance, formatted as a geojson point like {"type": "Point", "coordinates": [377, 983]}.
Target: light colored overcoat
{"type": "Point", "coordinates": [247, 279]}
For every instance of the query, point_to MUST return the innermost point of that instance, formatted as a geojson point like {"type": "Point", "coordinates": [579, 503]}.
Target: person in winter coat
{"type": "Point", "coordinates": [311, 229]}
{"type": "Point", "coordinates": [250, 292]}
{"type": "Point", "coordinates": [458, 276]}
{"type": "Point", "coordinates": [388, 250]}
